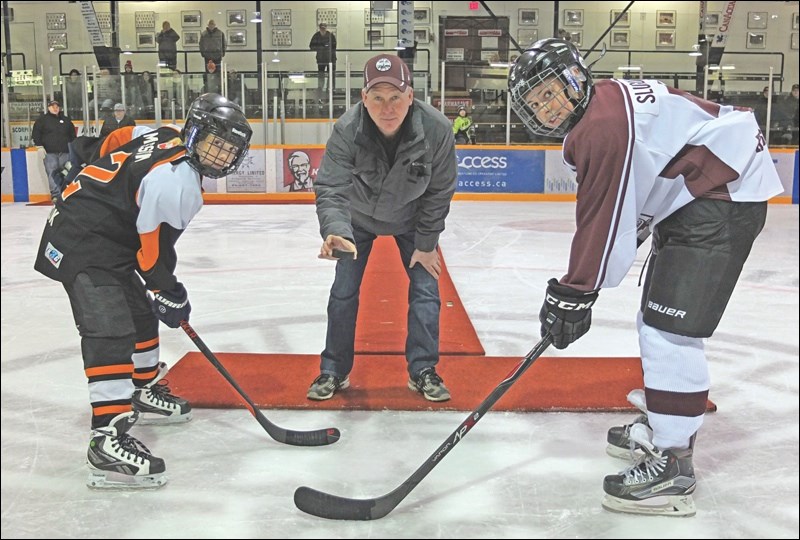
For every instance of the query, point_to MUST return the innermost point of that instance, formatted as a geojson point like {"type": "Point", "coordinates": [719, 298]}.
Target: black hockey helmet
{"type": "Point", "coordinates": [214, 114]}
{"type": "Point", "coordinates": [547, 62]}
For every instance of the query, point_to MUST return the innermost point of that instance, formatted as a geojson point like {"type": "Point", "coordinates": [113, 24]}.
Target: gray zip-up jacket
{"type": "Point", "coordinates": [355, 184]}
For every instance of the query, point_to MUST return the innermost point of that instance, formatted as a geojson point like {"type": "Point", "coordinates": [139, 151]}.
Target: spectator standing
{"type": "Point", "coordinates": [167, 40]}
{"type": "Point", "coordinates": [120, 119]}
{"type": "Point", "coordinates": [75, 92]}
{"type": "Point", "coordinates": [133, 89]}
{"type": "Point", "coordinates": [53, 131]}
{"type": "Point", "coordinates": [147, 87]}
{"type": "Point", "coordinates": [389, 169]}
{"type": "Point", "coordinates": [324, 43]}
{"type": "Point", "coordinates": [212, 46]}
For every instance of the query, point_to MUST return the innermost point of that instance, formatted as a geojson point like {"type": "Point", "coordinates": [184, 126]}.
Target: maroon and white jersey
{"type": "Point", "coordinates": [643, 150]}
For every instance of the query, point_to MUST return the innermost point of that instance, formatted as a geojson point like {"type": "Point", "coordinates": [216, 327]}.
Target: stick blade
{"type": "Point", "coordinates": [329, 506]}
{"type": "Point", "coordinates": [319, 437]}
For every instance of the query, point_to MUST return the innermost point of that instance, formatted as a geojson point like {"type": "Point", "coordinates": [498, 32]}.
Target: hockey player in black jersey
{"type": "Point", "coordinates": [111, 238]}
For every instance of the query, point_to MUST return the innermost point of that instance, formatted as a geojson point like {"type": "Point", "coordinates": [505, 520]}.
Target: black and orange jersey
{"type": "Point", "coordinates": [125, 211]}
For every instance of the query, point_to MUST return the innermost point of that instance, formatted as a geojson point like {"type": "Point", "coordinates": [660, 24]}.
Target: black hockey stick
{"type": "Point", "coordinates": [319, 437]}
{"type": "Point", "coordinates": [329, 506]}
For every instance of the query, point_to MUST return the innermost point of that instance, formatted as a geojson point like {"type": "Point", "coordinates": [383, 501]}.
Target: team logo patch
{"type": "Point", "coordinates": [384, 64]}
{"type": "Point", "coordinates": [53, 255]}
{"type": "Point", "coordinates": [172, 143]}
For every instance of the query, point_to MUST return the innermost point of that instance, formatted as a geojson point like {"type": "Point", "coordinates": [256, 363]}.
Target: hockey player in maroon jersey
{"type": "Point", "coordinates": [649, 158]}
{"type": "Point", "coordinates": [109, 239]}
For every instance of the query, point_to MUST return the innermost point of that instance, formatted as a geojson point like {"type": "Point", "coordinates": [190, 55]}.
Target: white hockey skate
{"type": "Point", "coordinates": [659, 483]}
{"type": "Point", "coordinates": [117, 460]}
{"type": "Point", "coordinates": [620, 444]}
{"type": "Point", "coordinates": [157, 405]}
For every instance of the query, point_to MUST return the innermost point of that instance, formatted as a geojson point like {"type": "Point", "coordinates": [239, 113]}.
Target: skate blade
{"type": "Point", "coordinates": [153, 419]}
{"type": "Point", "coordinates": [118, 481]}
{"type": "Point", "coordinates": [667, 505]}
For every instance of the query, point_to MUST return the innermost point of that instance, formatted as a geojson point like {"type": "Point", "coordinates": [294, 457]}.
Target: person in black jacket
{"type": "Point", "coordinates": [120, 119]}
{"type": "Point", "coordinates": [324, 43]}
{"type": "Point", "coordinates": [54, 131]}
{"type": "Point", "coordinates": [167, 41]}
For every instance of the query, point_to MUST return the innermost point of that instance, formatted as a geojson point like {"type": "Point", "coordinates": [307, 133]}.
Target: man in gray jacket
{"type": "Point", "coordinates": [389, 169]}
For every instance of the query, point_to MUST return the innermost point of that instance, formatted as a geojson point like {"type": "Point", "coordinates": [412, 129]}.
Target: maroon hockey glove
{"type": "Point", "coordinates": [566, 313]}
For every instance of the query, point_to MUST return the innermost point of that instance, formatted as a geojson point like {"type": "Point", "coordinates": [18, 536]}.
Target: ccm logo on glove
{"type": "Point", "coordinates": [568, 306]}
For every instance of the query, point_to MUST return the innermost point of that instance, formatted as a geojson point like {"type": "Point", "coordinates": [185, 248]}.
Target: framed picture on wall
{"type": "Point", "coordinates": [191, 38]}
{"type": "Point", "coordinates": [527, 36]}
{"type": "Point", "coordinates": [793, 41]}
{"type": "Point", "coordinates": [756, 40]}
{"type": "Point", "coordinates": [237, 17]}
{"type": "Point", "coordinates": [237, 38]}
{"type": "Point", "coordinates": [528, 17]}
{"type": "Point", "coordinates": [624, 21]}
{"type": "Point", "coordinates": [665, 19]}
{"type": "Point", "coordinates": [573, 17]}
{"type": "Point", "coordinates": [665, 38]}
{"type": "Point", "coordinates": [190, 19]}
{"type": "Point", "coordinates": [576, 37]}
{"type": "Point", "coordinates": [712, 19]}
{"type": "Point", "coordinates": [422, 35]}
{"type": "Point", "coordinates": [422, 16]}
{"type": "Point", "coordinates": [757, 20]}
{"type": "Point", "coordinates": [57, 40]}
{"type": "Point", "coordinates": [795, 21]}
{"type": "Point", "coordinates": [373, 36]}
{"type": "Point", "coordinates": [620, 39]}
{"type": "Point", "coordinates": [145, 40]}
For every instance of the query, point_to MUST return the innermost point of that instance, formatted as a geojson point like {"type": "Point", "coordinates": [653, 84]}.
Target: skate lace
{"type": "Point", "coordinates": [161, 393]}
{"type": "Point", "coordinates": [646, 469]}
{"type": "Point", "coordinates": [131, 448]}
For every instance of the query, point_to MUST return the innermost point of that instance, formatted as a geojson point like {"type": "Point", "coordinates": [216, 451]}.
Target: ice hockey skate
{"type": "Point", "coordinates": [659, 483]}
{"type": "Point", "coordinates": [619, 441]}
{"type": "Point", "coordinates": [117, 460]}
{"type": "Point", "coordinates": [157, 405]}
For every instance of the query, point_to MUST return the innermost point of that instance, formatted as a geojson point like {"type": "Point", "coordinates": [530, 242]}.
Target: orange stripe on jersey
{"type": "Point", "coordinates": [117, 369]}
{"type": "Point", "coordinates": [111, 409]}
{"type": "Point", "coordinates": [148, 375]}
{"type": "Point", "coordinates": [115, 139]}
{"type": "Point", "coordinates": [146, 344]}
{"type": "Point", "coordinates": [148, 255]}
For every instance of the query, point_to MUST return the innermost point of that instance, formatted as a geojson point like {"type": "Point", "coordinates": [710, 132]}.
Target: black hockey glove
{"type": "Point", "coordinates": [172, 306]}
{"type": "Point", "coordinates": [566, 313]}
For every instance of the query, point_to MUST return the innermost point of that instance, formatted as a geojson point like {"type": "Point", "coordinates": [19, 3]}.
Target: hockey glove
{"type": "Point", "coordinates": [566, 313]}
{"type": "Point", "coordinates": [172, 306]}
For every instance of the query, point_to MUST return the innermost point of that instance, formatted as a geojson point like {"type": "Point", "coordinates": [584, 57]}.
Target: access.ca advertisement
{"type": "Point", "coordinates": [500, 171]}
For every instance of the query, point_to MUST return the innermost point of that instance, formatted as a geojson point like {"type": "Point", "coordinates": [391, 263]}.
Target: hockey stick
{"type": "Point", "coordinates": [318, 437]}
{"type": "Point", "coordinates": [329, 506]}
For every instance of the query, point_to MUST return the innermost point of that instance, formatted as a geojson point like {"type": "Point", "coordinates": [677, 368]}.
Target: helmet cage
{"type": "Point", "coordinates": [543, 67]}
{"type": "Point", "coordinates": [224, 120]}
